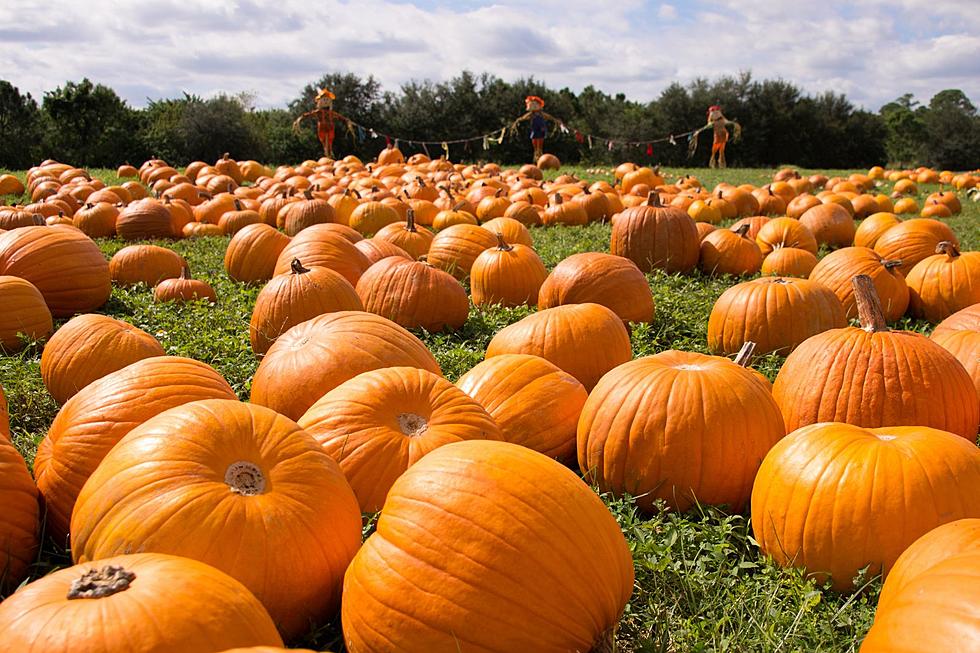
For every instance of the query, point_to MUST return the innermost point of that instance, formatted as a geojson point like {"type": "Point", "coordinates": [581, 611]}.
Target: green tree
{"type": "Point", "coordinates": [905, 130]}
{"type": "Point", "coordinates": [952, 131]}
{"type": "Point", "coordinates": [19, 127]}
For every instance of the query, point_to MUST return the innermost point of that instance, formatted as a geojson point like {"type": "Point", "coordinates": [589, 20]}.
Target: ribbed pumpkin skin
{"type": "Point", "coordinates": [216, 611]}
{"type": "Point", "coordinates": [382, 422]}
{"type": "Point", "coordinates": [967, 319]}
{"type": "Point", "coordinates": [585, 340]}
{"type": "Point", "coordinates": [24, 311]}
{"type": "Point", "coordinates": [375, 250]}
{"type": "Point", "coordinates": [64, 265]}
{"type": "Point", "coordinates": [725, 252]}
{"type": "Point", "coordinates": [297, 216]}
{"type": "Point", "coordinates": [776, 313]}
{"type": "Point", "coordinates": [834, 498]}
{"type": "Point", "coordinates": [87, 348]}
{"type": "Point", "coordinates": [785, 232]}
{"type": "Point", "coordinates": [145, 220]}
{"type": "Point", "coordinates": [936, 611]}
{"type": "Point", "coordinates": [913, 240]}
{"type": "Point", "coordinates": [873, 227]}
{"type": "Point", "coordinates": [413, 294]}
{"type": "Point", "coordinates": [509, 276]}
{"type": "Point", "coordinates": [369, 217]}
{"type": "Point", "coordinates": [323, 250]}
{"type": "Point", "coordinates": [19, 526]}
{"type": "Point", "coordinates": [183, 290]}
{"type": "Point", "coordinates": [316, 356]}
{"type": "Point", "coordinates": [593, 277]}
{"type": "Point", "coordinates": [656, 237]}
{"type": "Point", "coordinates": [96, 418]}
{"type": "Point", "coordinates": [472, 552]}
{"type": "Point", "coordinates": [944, 284]}
{"type": "Point", "coordinates": [965, 346]}
{"type": "Point", "coordinates": [831, 224]}
{"type": "Point", "coordinates": [96, 220]}
{"type": "Point", "coordinates": [836, 270]}
{"type": "Point", "coordinates": [252, 253]}
{"type": "Point", "coordinates": [875, 379]}
{"type": "Point", "coordinates": [170, 476]}
{"type": "Point", "coordinates": [414, 241]}
{"type": "Point", "coordinates": [289, 299]}
{"type": "Point", "coordinates": [535, 403]}
{"type": "Point", "coordinates": [678, 426]}
{"type": "Point", "coordinates": [512, 230]}
{"type": "Point", "coordinates": [454, 249]}
{"type": "Point", "coordinates": [148, 264]}
{"type": "Point", "coordinates": [788, 262]}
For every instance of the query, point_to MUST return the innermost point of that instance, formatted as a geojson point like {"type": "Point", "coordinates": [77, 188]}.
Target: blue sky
{"type": "Point", "coordinates": [872, 50]}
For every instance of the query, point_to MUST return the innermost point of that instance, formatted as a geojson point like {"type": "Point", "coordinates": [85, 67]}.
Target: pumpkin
{"type": "Point", "coordinates": [316, 356]}
{"type": "Point", "coordinates": [678, 427]}
{"type": "Point", "coordinates": [24, 313]}
{"type": "Point", "coordinates": [269, 208]}
{"type": "Point", "coordinates": [724, 251]}
{"type": "Point", "coordinates": [508, 275]}
{"type": "Point", "coordinates": [147, 264]}
{"type": "Point", "coordinates": [375, 250]}
{"type": "Point", "coordinates": [535, 404]}
{"type": "Point", "coordinates": [785, 232]}
{"type": "Point", "coordinates": [864, 206]}
{"type": "Point", "coordinates": [221, 466]}
{"type": "Point", "coordinates": [512, 230]}
{"type": "Point", "coordinates": [304, 213]}
{"type": "Point", "coordinates": [913, 241]}
{"type": "Point", "coordinates": [801, 204]}
{"type": "Point", "coordinates": [873, 227]}
{"type": "Point", "coordinates": [744, 202]}
{"type": "Point", "coordinates": [585, 340]}
{"type": "Point", "coordinates": [945, 283]}
{"type": "Point", "coordinates": [459, 538]}
{"type": "Point", "coordinates": [591, 277]}
{"type": "Point", "coordinates": [19, 527]}
{"type": "Point", "coordinates": [369, 217]}
{"type": "Point", "coordinates": [788, 262]}
{"type": "Point", "coordinates": [776, 313]}
{"type": "Point", "coordinates": [183, 289]}
{"type": "Point", "coordinates": [87, 348]}
{"type": "Point", "coordinates": [103, 606]}
{"type": "Point", "coordinates": [455, 248]}
{"type": "Point", "coordinates": [491, 206]}
{"type": "Point", "coordinates": [826, 496]}
{"type": "Point", "coordinates": [873, 377]}
{"type": "Point", "coordinates": [11, 185]}
{"type": "Point", "coordinates": [344, 204]}
{"type": "Point", "coordinates": [96, 220]}
{"type": "Point", "coordinates": [289, 299]}
{"type": "Point", "coordinates": [837, 269]}
{"type": "Point", "coordinates": [704, 211]}
{"type": "Point", "coordinates": [252, 253]}
{"type": "Point", "coordinates": [524, 211]}
{"type": "Point", "coordinates": [456, 215]}
{"type": "Point", "coordinates": [338, 229]}
{"type": "Point", "coordinates": [146, 219]}
{"type": "Point", "coordinates": [15, 218]}
{"type": "Point", "coordinates": [413, 294]}
{"type": "Point", "coordinates": [231, 222]}
{"type": "Point", "coordinates": [323, 249]}
{"type": "Point", "coordinates": [967, 319]}
{"type": "Point", "coordinates": [831, 224]}
{"type": "Point", "coordinates": [654, 236]}
{"type": "Point", "coordinates": [101, 413]}
{"type": "Point", "coordinates": [202, 230]}
{"type": "Point", "coordinates": [379, 423]}
{"type": "Point", "coordinates": [564, 213]}
{"type": "Point", "coordinates": [407, 236]}
{"type": "Point", "coordinates": [596, 205]}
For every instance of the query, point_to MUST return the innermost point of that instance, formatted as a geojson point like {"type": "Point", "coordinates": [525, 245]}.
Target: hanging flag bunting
{"type": "Point", "coordinates": [590, 141]}
{"type": "Point", "coordinates": [445, 148]}
{"type": "Point", "coordinates": [610, 146]}
{"type": "Point", "coordinates": [649, 149]}
{"type": "Point", "coordinates": [671, 140]}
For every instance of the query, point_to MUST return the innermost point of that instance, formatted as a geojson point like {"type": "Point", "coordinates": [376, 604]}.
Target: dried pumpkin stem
{"type": "Point", "coordinates": [891, 264]}
{"type": "Point", "coordinates": [948, 248]}
{"type": "Point", "coordinates": [100, 583]}
{"type": "Point", "coordinates": [410, 218]}
{"type": "Point", "coordinates": [744, 356]}
{"type": "Point", "coordinates": [742, 230]}
{"type": "Point", "coordinates": [502, 244]}
{"type": "Point", "coordinates": [297, 267]}
{"type": "Point", "coordinates": [870, 315]}
{"type": "Point", "coordinates": [653, 199]}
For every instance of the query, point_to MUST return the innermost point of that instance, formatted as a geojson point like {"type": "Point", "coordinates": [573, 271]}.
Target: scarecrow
{"type": "Point", "coordinates": [539, 123]}
{"type": "Point", "coordinates": [325, 117]}
{"type": "Point", "coordinates": [718, 123]}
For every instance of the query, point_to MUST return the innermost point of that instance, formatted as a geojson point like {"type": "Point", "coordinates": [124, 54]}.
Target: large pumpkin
{"type": "Point", "coordinates": [837, 269]}
{"type": "Point", "coordinates": [945, 283]}
{"type": "Point", "coordinates": [776, 313]}
{"type": "Point", "coordinates": [381, 422]}
{"type": "Point", "coordinates": [679, 427]}
{"type": "Point", "coordinates": [98, 416]}
{"type": "Point", "coordinates": [413, 294]}
{"type": "Point", "coordinates": [252, 253]}
{"type": "Point", "coordinates": [967, 319]}
{"type": "Point", "coordinates": [592, 277]}
{"type": "Point", "coordinates": [913, 240]}
{"type": "Point", "coordinates": [147, 264]}
{"type": "Point", "coordinates": [226, 470]}
{"type": "Point", "coordinates": [473, 549]}
{"type": "Point", "coordinates": [323, 249]}
{"type": "Point", "coordinates": [874, 377]}
{"type": "Point", "coordinates": [19, 526]}
{"type": "Point", "coordinates": [105, 606]}
{"type": "Point", "coordinates": [656, 236]}
{"type": "Point", "coordinates": [536, 404]}
{"type": "Point", "coordinates": [508, 275]}
{"type": "Point", "coordinates": [585, 340]}
{"type": "Point", "coordinates": [87, 348]}
{"type": "Point", "coordinates": [24, 313]}
{"type": "Point", "coordinates": [835, 498]}
{"type": "Point", "coordinates": [316, 356]}
{"type": "Point", "coordinates": [64, 265]}
{"type": "Point", "coordinates": [455, 248]}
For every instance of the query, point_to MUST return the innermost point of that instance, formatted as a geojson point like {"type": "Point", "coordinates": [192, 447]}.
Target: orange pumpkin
{"type": "Point", "coordinates": [591, 277]}
{"type": "Point", "coordinates": [945, 283]}
{"type": "Point", "coordinates": [830, 224]}
{"type": "Point", "coordinates": [873, 227]}
{"type": "Point", "coordinates": [788, 262]}
{"type": "Point", "coordinates": [465, 519]}
{"type": "Point", "coordinates": [654, 236]}
{"type": "Point", "coordinates": [4, 417]}
{"type": "Point", "coordinates": [536, 404]}
{"type": "Point", "coordinates": [87, 348]}
{"type": "Point", "coordinates": [219, 467]}
{"type": "Point", "coordinates": [407, 236]}
{"type": "Point", "coordinates": [103, 606]}
{"type": "Point", "coordinates": [455, 248]}
{"type": "Point", "coordinates": [146, 219]}
{"type": "Point", "coordinates": [24, 313]}
{"type": "Point", "coordinates": [826, 498]}
{"type": "Point", "coordinates": [304, 213]}
{"type": "Point", "coordinates": [147, 264]}
{"type": "Point", "coordinates": [252, 253]}
{"type": "Point", "coordinates": [375, 250]}
{"type": "Point", "coordinates": [413, 294]}
{"type": "Point", "coordinates": [724, 251]}
{"type": "Point", "coordinates": [512, 230]}
{"type": "Point", "coordinates": [321, 248]}
{"type": "Point", "coordinates": [837, 269]}
{"type": "Point", "coordinates": [184, 289]}
{"type": "Point", "coordinates": [101, 413]}
{"type": "Point", "coordinates": [913, 241]}
{"type": "Point", "coordinates": [967, 319]}
{"type": "Point", "coordinates": [96, 220]}
{"type": "Point", "coordinates": [369, 217]}
{"type": "Point", "coordinates": [19, 527]}
{"type": "Point", "coordinates": [785, 232]}
{"type": "Point", "coordinates": [508, 275]}
{"type": "Point", "coordinates": [585, 340]}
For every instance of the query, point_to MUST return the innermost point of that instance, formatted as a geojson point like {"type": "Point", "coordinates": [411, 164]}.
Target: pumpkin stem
{"type": "Point", "coordinates": [459, 205]}
{"type": "Point", "coordinates": [502, 244]}
{"type": "Point", "coordinates": [557, 199]}
{"type": "Point", "coordinates": [238, 204]}
{"type": "Point", "coordinates": [742, 230]}
{"type": "Point", "coordinates": [653, 199]}
{"type": "Point", "coordinates": [410, 218]}
{"type": "Point", "coordinates": [100, 583]}
{"type": "Point", "coordinates": [948, 248]}
{"type": "Point", "coordinates": [870, 315]}
{"type": "Point", "coordinates": [412, 425]}
{"type": "Point", "coordinates": [297, 267]}
{"type": "Point", "coordinates": [744, 356]}
{"type": "Point", "coordinates": [185, 273]}
{"type": "Point", "coordinates": [892, 263]}
{"type": "Point", "coordinates": [308, 193]}
{"type": "Point", "coordinates": [245, 478]}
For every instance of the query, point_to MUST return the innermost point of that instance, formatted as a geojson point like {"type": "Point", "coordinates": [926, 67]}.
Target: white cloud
{"type": "Point", "coordinates": [872, 51]}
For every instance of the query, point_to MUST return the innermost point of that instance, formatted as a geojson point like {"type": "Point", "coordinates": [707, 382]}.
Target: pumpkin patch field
{"type": "Point", "coordinates": [411, 405]}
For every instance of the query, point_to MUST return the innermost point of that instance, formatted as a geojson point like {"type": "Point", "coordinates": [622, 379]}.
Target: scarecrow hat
{"type": "Point", "coordinates": [533, 103]}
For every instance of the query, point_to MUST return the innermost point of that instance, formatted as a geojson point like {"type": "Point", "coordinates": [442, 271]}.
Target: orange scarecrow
{"type": "Point", "coordinates": [718, 123]}
{"type": "Point", "coordinates": [325, 117]}
{"type": "Point", "coordinates": [539, 123]}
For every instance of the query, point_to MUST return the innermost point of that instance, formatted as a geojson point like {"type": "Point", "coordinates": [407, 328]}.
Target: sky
{"type": "Point", "coordinates": [871, 50]}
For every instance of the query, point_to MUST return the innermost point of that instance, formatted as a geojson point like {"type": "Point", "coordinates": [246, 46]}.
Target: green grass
{"type": "Point", "coordinates": [701, 584]}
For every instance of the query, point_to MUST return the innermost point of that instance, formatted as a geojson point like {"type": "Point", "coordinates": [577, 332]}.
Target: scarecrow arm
{"type": "Point", "coordinates": [302, 116]}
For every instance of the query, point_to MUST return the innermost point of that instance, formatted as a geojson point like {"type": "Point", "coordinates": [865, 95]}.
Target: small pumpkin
{"type": "Point", "coordinates": [788, 262]}
{"type": "Point", "coordinates": [945, 283]}
{"type": "Point", "coordinates": [407, 236]}
{"type": "Point", "coordinates": [455, 248]}
{"type": "Point", "coordinates": [147, 264]}
{"type": "Point", "coordinates": [304, 213]}
{"type": "Point", "coordinates": [512, 230]}
{"type": "Point", "coordinates": [96, 220]}
{"type": "Point", "coordinates": [785, 232]}
{"type": "Point", "coordinates": [252, 253]}
{"type": "Point", "coordinates": [369, 217]}
{"type": "Point", "coordinates": [831, 224]}
{"type": "Point", "coordinates": [184, 289]}
{"type": "Point", "coordinates": [231, 222]}
{"type": "Point", "coordinates": [508, 275]}
{"type": "Point", "coordinates": [146, 219]}
{"type": "Point", "coordinates": [724, 251]}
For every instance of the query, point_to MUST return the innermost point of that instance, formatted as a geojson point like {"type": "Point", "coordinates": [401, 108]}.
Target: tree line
{"type": "Point", "coordinates": [88, 124]}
